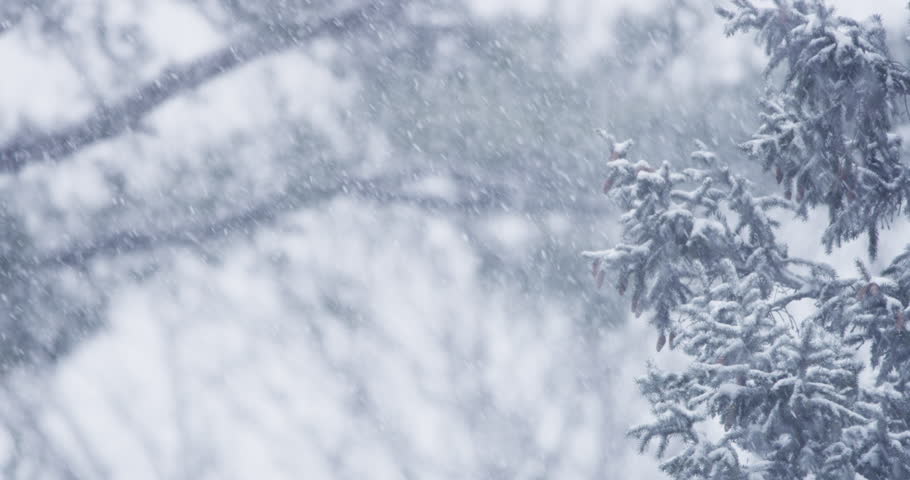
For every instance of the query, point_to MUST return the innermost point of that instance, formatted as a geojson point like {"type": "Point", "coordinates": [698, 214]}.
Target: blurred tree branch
{"type": "Point", "coordinates": [389, 190]}
{"type": "Point", "coordinates": [127, 113]}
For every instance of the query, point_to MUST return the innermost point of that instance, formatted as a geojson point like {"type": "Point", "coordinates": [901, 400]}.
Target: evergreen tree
{"type": "Point", "coordinates": [700, 256]}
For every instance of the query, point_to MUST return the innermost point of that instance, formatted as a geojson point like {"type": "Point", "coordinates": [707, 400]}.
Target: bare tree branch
{"type": "Point", "coordinates": [263, 212]}
{"type": "Point", "coordinates": [134, 241]}
{"type": "Point", "coordinates": [126, 113]}
{"type": "Point", "coordinates": [384, 191]}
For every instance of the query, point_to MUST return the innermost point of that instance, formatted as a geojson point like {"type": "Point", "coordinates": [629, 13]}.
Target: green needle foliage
{"type": "Point", "coordinates": [767, 395]}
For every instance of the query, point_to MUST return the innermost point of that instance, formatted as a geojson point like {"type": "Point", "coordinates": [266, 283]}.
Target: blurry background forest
{"type": "Point", "coordinates": [336, 239]}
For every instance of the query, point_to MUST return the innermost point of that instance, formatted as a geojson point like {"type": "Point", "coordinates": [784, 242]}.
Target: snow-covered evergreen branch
{"type": "Point", "coordinates": [828, 127]}
{"type": "Point", "coordinates": [701, 256]}
{"type": "Point", "coordinates": [826, 395]}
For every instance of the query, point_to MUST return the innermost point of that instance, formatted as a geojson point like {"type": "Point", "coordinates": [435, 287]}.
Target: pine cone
{"type": "Point", "coordinates": [874, 289]}
{"type": "Point", "coordinates": [870, 290]}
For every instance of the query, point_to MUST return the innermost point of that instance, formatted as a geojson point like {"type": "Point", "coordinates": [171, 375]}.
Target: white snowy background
{"type": "Point", "coordinates": [348, 340]}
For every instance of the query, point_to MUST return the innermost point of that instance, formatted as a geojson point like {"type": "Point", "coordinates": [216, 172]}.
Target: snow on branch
{"type": "Point", "coordinates": [700, 253]}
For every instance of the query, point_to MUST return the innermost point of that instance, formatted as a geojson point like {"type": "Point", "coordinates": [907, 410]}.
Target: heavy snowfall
{"type": "Point", "coordinates": [454, 239]}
